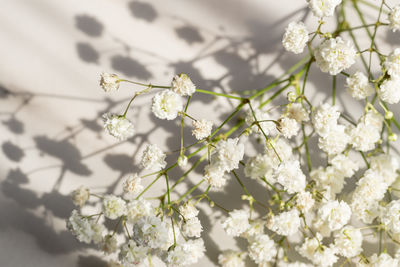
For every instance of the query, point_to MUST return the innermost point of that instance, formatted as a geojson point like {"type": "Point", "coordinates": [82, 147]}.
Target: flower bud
{"type": "Point", "coordinates": [388, 115]}
{"type": "Point", "coordinates": [291, 96]}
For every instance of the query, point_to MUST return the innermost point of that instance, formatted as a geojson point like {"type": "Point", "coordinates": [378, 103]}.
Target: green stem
{"type": "Point", "coordinates": [218, 94]}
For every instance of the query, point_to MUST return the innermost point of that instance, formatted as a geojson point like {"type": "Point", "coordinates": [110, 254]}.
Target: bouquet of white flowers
{"type": "Point", "coordinates": [307, 201]}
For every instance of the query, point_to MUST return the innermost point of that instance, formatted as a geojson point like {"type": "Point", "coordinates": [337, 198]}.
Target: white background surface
{"type": "Point", "coordinates": [50, 103]}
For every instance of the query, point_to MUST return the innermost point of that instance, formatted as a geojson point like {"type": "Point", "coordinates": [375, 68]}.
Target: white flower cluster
{"type": "Point", "coordinates": [335, 55]}
{"type": "Point", "coordinates": [323, 8]}
{"type": "Point", "coordinates": [109, 82]}
{"type": "Point", "coordinates": [153, 158]}
{"type": "Point", "coordinates": [118, 126]}
{"type": "Point", "coordinates": [182, 85]}
{"type": "Point", "coordinates": [295, 38]}
{"type": "Point", "coordinates": [358, 86]}
{"type": "Point", "coordinates": [224, 158]}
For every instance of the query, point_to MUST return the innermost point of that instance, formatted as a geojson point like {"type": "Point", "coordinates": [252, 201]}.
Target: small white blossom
{"type": "Point", "coordinates": [295, 37]}
{"type": "Point", "coordinates": [138, 208]}
{"type": "Point", "coordinates": [344, 164]}
{"type": "Point", "coordinates": [297, 112]}
{"type": "Point", "coordinates": [153, 158]}
{"type": "Point", "coordinates": [325, 118]}
{"type": "Point", "coordinates": [332, 216]}
{"type": "Point", "coordinates": [387, 167]}
{"type": "Point", "coordinates": [113, 207]}
{"type": "Point", "coordinates": [166, 105]}
{"type": "Point", "coordinates": [390, 216]}
{"type": "Point", "coordinates": [262, 249]}
{"type": "Point", "coordinates": [286, 223]}
{"type": "Point", "coordinates": [229, 153]}
{"type": "Point", "coordinates": [260, 166]}
{"type": "Point", "coordinates": [256, 228]}
{"type": "Point", "coordinates": [231, 258]}
{"type": "Point", "coordinates": [201, 129]}
{"type": "Point", "coordinates": [348, 241]}
{"type": "Point", "coordinates": [182, 161]}
{"type": "Point", "coordinates": [186, 253]}
{"type": "Point", "coordinates": [328, 179]}
{"type": "Point", "coordinates": [236, 223]}
{"type": "Point", "coordinates": [394, 18]}
{"type": "Point", "coordinates": [288, 127]}
{"type": "Point", "coordinates": [304, 201]}
{"type": "Point", "coordinates": [83, 229]}
{"type": "Point", "coordinates": [323, 8]}
{"type": "Point", "coordinates": [192, 227]}
{"type": "Point", "coordinates": [319, 254]}
{"type": "Point", "coordinates": [109, 244]}
{"type": "Point", "coordinates": [188, 210]}
{"type": "Point", "coordinates": [80, 196]}
{"type": "Point", "coordinates": [118, 126]}
{"type": "Point", "coordinates": [358, 86]}
{"type": "Point", "coordinates": [392, 63]}
{"type": "Point", "coordinates": [132, 255]}
{"type": "Point", "coordinates": [182, 85]}
{"type": "Point", "coordinates": [291, 177]}
{"type": "Point", "coordinates": [335, 141]}
{"type": "Point", "coordinates": [132, 185]}
{"type": "Point", "coordinates": [334, 55]}
{"type": "Point", "coordinates": [389, 90]}
{"type": "Point", "coordinates": [151, 232]}
{"type": "Point", "coordinates": [109, 82]}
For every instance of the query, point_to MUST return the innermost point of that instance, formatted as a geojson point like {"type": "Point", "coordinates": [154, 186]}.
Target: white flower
{"type": "Point", "coordinates": [297, 112]}
{"type": "Point", "coordinates": [335, 141]}
{"type": "Point", "coordinates": [392, 63]}
{"type": "Point", "coordinates": [182, 85]}
{"type": "Point", "coordinates": [334, 55]}
{"type": "Point", "coordinates": [201, 129]}
{"type": "Point", "coordinates": [328, 179]}
{"type": "Point", "coordinates": [113, 207]}
{"type": "Point", "coordinates": [132, 255]}
{"type": "Point", "coordinates": [394, 18]}
{"type": "Point", "coordinates": [286, 223]}
{"type": "Point", "coordinates": [109, 244]}
{"type": "Point", "coordinates": [389, 90]}
{"type": "Point", "coordinates": [386, 165]}
{"type": "Point", "coordinates": [344, 164]}
{"type": "Point", "coordinates": [348, 241]}
{"type": "Point", "coordinates": [256, 228]}
{"type": "Point", "coordinates": [182, 161]}
{"type": "Point", "coordinates": [332, 216]}
{"type": "Point", "coordinates": [151, 232]}
{"type": "Point", "coordinates": [323, 8]}
{"type": "Point", "coordinates": [138, 208]}
{"type": "Point", "coordinates": [84, 229]}
{"type": "Point", "coordinates": [167, 105]}
{"type": "Point", "coordinates": [153, 158]}
{"type": "Point", "coordinates": [192, 227]}
{"type": "Point", "coordinates": [325, 118]}
{"type": "Point", "coordinates": [118, 126]}
{"type": "Point", "coordinates": [320, 255]}
{"type": "Point", "coordinates": [390, 216]}
{"type": "Point", "coordinates": [214, 174]}
{"type": "Point", "coordinates": [236, 223]}
{"type": "Point", "coordinates": [304, 201]}
{"type": "Point", "coordinates": [229, 152]}
{"type": "Point", "coordinates": [358, 86]}
{"type": "Point", "coordinates": [132, 185]}
{"type": "Point", "coordinates": [262, 118]}
{"type": "Point", "coordinates": [262, 249]}
{"type": "Point", "coordinates": [288, 127]}
{"type": "Point", "coordinates": [383, 260]}
{"type": "Point", "coordinates": [290, 176]}
{"type": "Point", "coordinates": [231, 258]}
{"type": "Point", "coordinates": [188, 210]}
{"type": "Point", "coordinates": [260, 166]}
{"type": "Point", "coordinates": [280, 147]}
{"type": "Point", "coordinates": [109, 82]}
{"type": "Point", "coordinates": [186, 253]}
{"type": "Point", "coordinates": [295, 37]}
{"type": "Point", "coordinates": [80, 196]}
